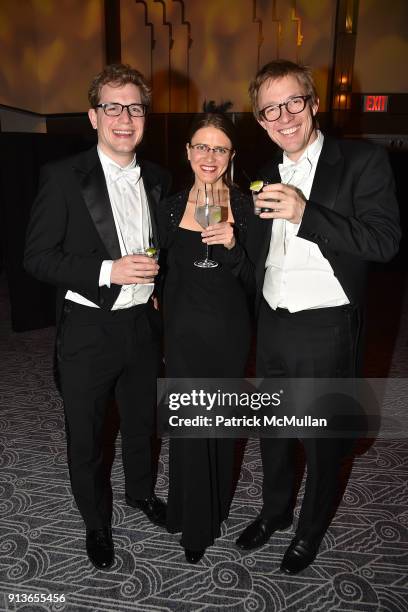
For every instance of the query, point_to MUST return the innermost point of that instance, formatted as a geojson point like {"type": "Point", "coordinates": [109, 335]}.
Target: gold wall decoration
{"type": "Point", "coordinates": [211, 50]}
{"type": "Point", "coordinates": [50, 50]}
{"type": "Point", "coordinates": [346, 33]}
{"type": "Point", "coordinates": [187, 24]}
{"type": "Point", "coordinates": [195, 50]}
{"type": "Point", "coordinates": [295, 17]}
{"type": "Point", "coordinates": [167, 46]}
{"type": "Point", "coordinates": [381, 47]}
{"type": "Point", "coordinates": [278, 29]}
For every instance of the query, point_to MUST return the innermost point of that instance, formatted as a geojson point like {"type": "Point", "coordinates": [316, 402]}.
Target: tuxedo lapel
{"type": "Point", "coordinates": [153, 194]}
{"type": "Point", "coordinates": [269, 173]}
{"type": "Point", "coordinates": [329, 170]}
{"type": "Point", "coordinates": [264, 242]}
{"type": "Point", "coordinates": [257, 244]}
{"type": "Point", "coordinates": [95, 193]}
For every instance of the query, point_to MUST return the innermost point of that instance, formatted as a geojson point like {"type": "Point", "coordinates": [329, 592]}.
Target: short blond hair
{"type": "Point", "coordinates": [276, 70]}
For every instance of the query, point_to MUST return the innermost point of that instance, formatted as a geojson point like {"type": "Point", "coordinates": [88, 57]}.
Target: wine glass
{"type": "Point", "coordinates": [207, 212]}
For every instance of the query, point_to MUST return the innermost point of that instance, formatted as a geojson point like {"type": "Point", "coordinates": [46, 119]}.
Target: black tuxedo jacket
{"type": "Point", "coordinates": [352, 214]}
{"type": "Point", "coordinates": [72, 230]}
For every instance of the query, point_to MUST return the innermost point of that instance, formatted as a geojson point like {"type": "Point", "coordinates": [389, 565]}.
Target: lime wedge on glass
{"type": "Point", "coordinates": [256, 185]}
{"type": "Point", "coordinates": [217, 216]}
{"type": "Point", "coordinates": [151, 252]}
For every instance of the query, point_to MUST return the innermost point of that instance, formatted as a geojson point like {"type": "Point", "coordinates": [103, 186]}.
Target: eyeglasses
{"type": "Point", "coordinates": [114, 109]}
{"type": "Point", "coordinates": [203, 149]}
{"type": "Point", "coordinates": [294, 106]}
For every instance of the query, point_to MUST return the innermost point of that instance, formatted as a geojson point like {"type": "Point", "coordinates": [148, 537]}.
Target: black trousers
{"type": "Point", "coordinates": [101, 354]}
{"type": "Point", "coordinates": [321, 343]}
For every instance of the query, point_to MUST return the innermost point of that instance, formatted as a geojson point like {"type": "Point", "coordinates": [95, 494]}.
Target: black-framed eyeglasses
{"type": "Point", "coordinates": [114, 109]}
{"type": "Point", "coordinates": [294, 106]}
{"type": "Point", "coordinates": [203, 149]}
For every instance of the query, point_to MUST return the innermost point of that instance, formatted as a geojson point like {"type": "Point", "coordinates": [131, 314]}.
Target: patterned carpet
{"type": "Point", "coordinates": [363, 564]}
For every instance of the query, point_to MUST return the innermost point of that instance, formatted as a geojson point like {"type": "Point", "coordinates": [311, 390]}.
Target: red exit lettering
{"type": "Point", "coordinates": [375, 104]}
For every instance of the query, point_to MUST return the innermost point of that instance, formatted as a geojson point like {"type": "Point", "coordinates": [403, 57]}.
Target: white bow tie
{"type": "Point", "coordinates": [132, 175]}
{"type": "Point", "coordinates": [294, 173]}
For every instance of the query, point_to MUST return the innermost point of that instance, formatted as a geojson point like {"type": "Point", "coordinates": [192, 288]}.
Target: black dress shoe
{"type": "Point", "coordinates": [99, 547]}
{"type": "Point", "coordinates": [194, 556]}
{"type": "Point", "coordinates": [259, 532]}
{"type": "Point", "coordinates": [299, 555]}
{"type": "Point", "coordinates": [153, 507]}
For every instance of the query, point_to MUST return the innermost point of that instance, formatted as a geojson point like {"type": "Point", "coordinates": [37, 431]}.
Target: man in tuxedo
{"type": "Point", "coordinates": [92, 214]}
{"type": "Point", "coordinates": [330, 209]}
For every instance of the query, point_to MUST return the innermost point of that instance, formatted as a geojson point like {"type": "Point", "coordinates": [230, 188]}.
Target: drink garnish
{"type": "Point", "coordinates": [151, 252]}
{"type": "Point", "coordinates": [256, 185]}
{"type": "Point", "coordinates": [217, 216]}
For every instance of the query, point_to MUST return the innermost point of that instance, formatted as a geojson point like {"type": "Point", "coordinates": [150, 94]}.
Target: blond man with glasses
{"type": "Point", "coordinates": [326, 209]}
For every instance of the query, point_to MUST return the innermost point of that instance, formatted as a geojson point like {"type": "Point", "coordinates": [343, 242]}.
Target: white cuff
{"type": "Point", "coordinates": [105, 273]}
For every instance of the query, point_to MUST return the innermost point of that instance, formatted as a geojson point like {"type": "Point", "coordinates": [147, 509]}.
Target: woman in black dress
{"type": "Point", "coordinates": [206, 327]}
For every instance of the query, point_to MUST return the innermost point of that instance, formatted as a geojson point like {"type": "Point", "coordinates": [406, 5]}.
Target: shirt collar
{"type": "Point", "coordinates": [106, 161]}
{"type": "Point", "coordinates": [311, 152]}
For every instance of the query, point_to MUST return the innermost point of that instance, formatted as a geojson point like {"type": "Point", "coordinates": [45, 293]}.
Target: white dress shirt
{"type": "Point", "coordinates": [133, 226]}
{"type": "Point", "coordinates": [297, 276]}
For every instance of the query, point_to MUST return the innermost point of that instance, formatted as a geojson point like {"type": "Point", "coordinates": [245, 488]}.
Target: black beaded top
{"type": "Point", "coordinates": [172, 209]}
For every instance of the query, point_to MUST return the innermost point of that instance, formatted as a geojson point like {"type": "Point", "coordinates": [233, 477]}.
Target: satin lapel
{"type": "Point", "coordinates": [95, 193]}
{"type": "Point", "coordinates": [265, 232]}
{"type": "Point", "coordinates": [270, 173]}
{"type": "Point", "coordinates": [329, 170]}
{"type": "Point", "coordinates": [153, 193]}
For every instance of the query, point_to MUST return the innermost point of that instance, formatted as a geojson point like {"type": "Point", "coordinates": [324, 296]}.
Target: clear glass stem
{"type": "Point", "coordinates": [206, 252]}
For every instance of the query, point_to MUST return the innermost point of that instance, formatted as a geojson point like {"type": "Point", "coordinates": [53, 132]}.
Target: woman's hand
{"type": "Point", "coordinates": [220, 233]}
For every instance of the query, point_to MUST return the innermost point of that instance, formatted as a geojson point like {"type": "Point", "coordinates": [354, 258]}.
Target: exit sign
{"type": "Point", "coordinates": [375, 104]}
